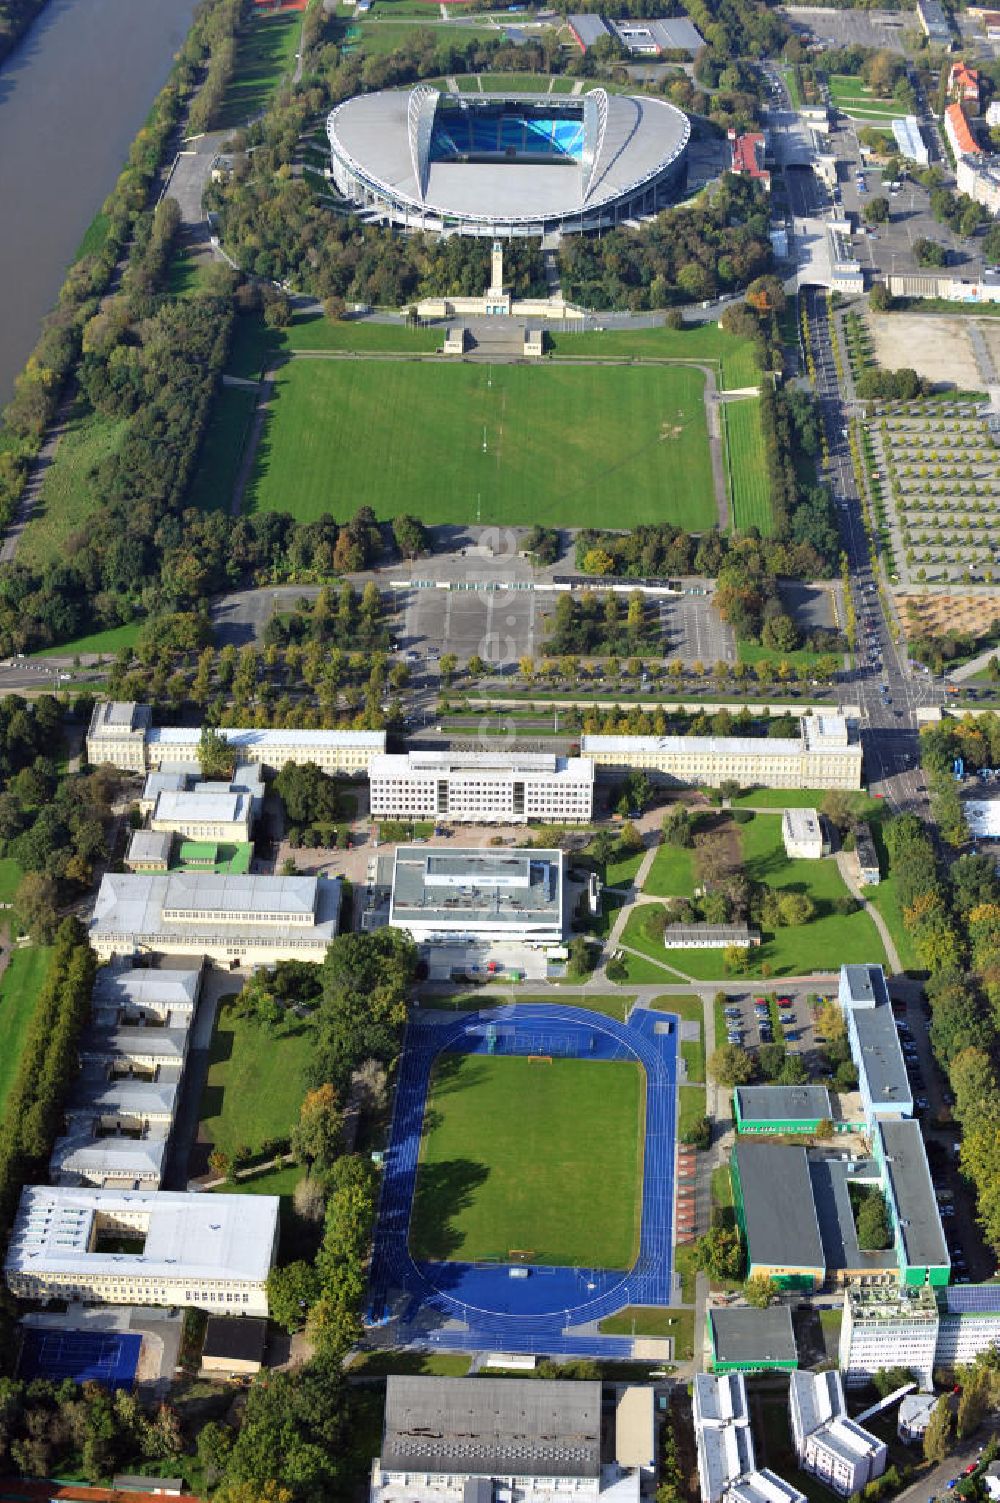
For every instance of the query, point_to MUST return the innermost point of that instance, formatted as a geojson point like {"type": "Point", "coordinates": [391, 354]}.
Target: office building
{"type": "Point", "coordinates": [462, 896]}
{"type": "Point", "coordinates": [888, 1328]}
{"type": "Point", "coordinates": [773, 1198]}
{"type": "Point", "coordinates": [970, 1323]}
{"type": "Point", "coordinates": [185, 777]}
{"type": "Point", "coordinates": [122, 734]}
{"type": "Point", "coordinates": [839, 1452]}
{"type": "Point", "coordinates": [802, 834]}
{"type": "Point", "coordinates": [212, 1252]}
{"type": "Point", "coordinates": [874, 1040]}
{"type": "Point", "coordinates": [449, 1440]}
{"type": "Point", "coordinates": [825, 754]}
{"type": "Point", "coordinates": [255, 920]}
{"type": "Point", "coordinates": [722, 1432]}
{"type": "Point", "coordinates": [742, 1339]}
{"type": "Point", "coordinates": [459, 787]}
{"type": "Point", "coordinates": [203, 816]}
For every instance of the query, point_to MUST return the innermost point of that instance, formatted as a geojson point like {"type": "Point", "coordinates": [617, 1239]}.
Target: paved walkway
{"type": "Point", "coordinates": [854, 887]}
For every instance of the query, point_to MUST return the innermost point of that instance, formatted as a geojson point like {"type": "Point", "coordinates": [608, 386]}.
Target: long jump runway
{"type": "Point", "coordinates": [486, 1309]}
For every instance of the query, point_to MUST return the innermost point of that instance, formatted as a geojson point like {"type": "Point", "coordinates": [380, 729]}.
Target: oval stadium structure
{"type": "Point", "coordinates": [506, 164]}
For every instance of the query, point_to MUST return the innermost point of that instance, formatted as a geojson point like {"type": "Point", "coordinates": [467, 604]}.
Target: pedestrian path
{"type": "Point", "coordinates": [854, 887]}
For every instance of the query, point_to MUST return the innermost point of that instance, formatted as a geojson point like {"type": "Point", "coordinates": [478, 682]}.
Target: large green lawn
{"type": "Point", "coordinates": [107, 642]}
{"type": "Point", "coordinates": [265, 52]}
{"type": "Point", "coordinates": [222, 448]}
{"type": "Point", "coordinates": [19, 988]}
{"type": "Point", "coordinates": [70, 492]}
{"type": "Point", "coordinates": [532, 1157]}
{"type": "Point", "coordinates": [505, 444]}
{"type": "Point", "coordinates": [736, 358]}
{"type": "Point", "coordinates": [748, 479]}
{"type": "Point", "coordinates": [256, 1082]}
{"type": "Point", "coordinates": [671, 874]}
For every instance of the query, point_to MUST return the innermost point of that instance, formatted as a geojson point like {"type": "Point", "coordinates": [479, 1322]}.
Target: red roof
{"type": "Point", "coordinates": [748, 155]}
{"type": "Point", "coordinates": [965, 142]}
{"type": "Point", "coordinates": [965, 78]}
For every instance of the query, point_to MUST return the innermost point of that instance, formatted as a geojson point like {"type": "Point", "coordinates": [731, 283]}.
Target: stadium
{"type": "Point", "coordinates": [505, 165]}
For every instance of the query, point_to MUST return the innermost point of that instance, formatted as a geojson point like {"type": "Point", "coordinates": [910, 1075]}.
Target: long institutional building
{"type": "Point", "coordinates": [462, 787]}
{"type": "Point", "coordinates": [825, 754]}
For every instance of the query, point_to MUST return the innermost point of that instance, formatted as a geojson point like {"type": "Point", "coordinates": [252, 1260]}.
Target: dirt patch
{"type": "Point", "coordinates": [938, 348]}
{"type": "Point", "coordinates": [933, 615]}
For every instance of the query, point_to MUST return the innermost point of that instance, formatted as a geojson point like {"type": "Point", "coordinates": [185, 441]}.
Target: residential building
{"type": "Point", "coordinates": [833, 1447]}
{"type": "Point", "coordinates": [446, 1440]}
{"type": "Point", "coordinates": [921, 1249]}
{"type": "Point", "coordinates": [203, 816]}
{"type": "Point", "coordinates": [233, 1348]}
{"type": "Point", "coordinates": [123, 735]}
{"type": "Point", "coordinates": [914, 1415]}
{"type": "Point", "coordinates": [964, 86]}
{"type": "Point", "coordinates": [467, 787]}
{"type": "Point", "coordinates": [888, 1328]}
{"type": "Point", "coordinates": [934, 22]}
{"type": "Point", "coordinates": [956, 128]}
{"type": "Point", "coordinates": [722, 1432]}
{"type": "Point", "coordinates": [802, 834]}
{"type": "Point", "coordinates": [782, 1109]}
{"type": "Point", "coordinates": [871, 1032]}
{"type": "Point", "coordinates": [742, 1339]}
{"type": "Point", "coordinates": [764, 1486]}
{"type": "Point", "coordinates": [467, 895]}
{"type": "Point", "coordinates": [773, 1198]}
{"type": "Point", "coordinates": [979, 177]}
{"type": "Point", "coordinates": [126, 1247]}
{"type": "Point", "coordinates": [911, 143]}
{"type": "Point", "coordinates": [825, 754]}
{"type": "Point", "coordinates": [710, 936]}
{"type": "Point", "coordinates": [746, 156]}
{"type": "Point", "coordinates": [866, 855]}
{"type": "Point", "coordinates": [254, 920]}
{"type": "Point", "coordinates": [970, 1323]}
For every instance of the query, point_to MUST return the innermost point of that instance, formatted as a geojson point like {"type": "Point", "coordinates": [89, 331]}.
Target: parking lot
{"type": "Point", "coordinates": [694, 632]}
{"type": "Point", "coordinates": [500, 625]}
{"type": "Point", "coordinates": [749, 1029]}
{"type": "Point", "coordinates": [843, 28]}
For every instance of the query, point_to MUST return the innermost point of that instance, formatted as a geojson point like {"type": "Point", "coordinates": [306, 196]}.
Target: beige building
{"type": "Point", "coordinates": [233, 1348]}
{"type": "Point", "coordinates": [825, 754]}
{"type": "Point", "coordinates": [456, 787]}
{"type": "Point", "coordinates": [203, 816]}
{"type": "Point", "coordinates": [802, 834]}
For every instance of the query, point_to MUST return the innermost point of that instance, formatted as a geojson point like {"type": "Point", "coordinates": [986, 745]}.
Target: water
{"type": "Point", "coordinates": [72, 97]}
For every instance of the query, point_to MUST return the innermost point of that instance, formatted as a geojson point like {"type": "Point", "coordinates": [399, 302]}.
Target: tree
{"type": "Point", "coordinates": [216, 757]}
{"type": "Point", "coordinates": [316, 1137]}
{"type": "Point", "coordinates": [36, 906]}
{"type": "Point", "coordinates": [580, 958]}
{"type": "Point", "coordinates": [699, 1133]}
{"type": "Point", "coordinates": [291, 1293]}
{"type": "Point", "coordinates": [939, 1432]}
{"type": "Point", "coordinates": [760, 1290]}
{"type": "Point", "coordinates": [678, 827]}
{"type": "Point", "coordinates": [872, 1221]}
{"type": "Point", "coordinates": [877, 210]}
{"type": "Point", "coordinates": [796, 909]}
{"type": "Point", "coordinates": [214, 1444]}
{"type": "Point", "coordinates": [730, 1065]}
{"type": "Point", "coordinates": [719, 1253]}
{"type": "Point", "coordinates": [412, 537]}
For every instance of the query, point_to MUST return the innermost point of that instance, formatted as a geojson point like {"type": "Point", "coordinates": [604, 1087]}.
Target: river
{"type": "Point", "coordinates": [72, 97]}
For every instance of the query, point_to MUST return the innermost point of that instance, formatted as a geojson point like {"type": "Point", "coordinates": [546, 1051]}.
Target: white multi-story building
{"type": "Point", "coordinates": [120, 1247]}
{"type": "Point", "coordinates": [979, 177]}
{"type": "Point", "coordinates": [727, 1469]}
{"type": "Point", "coordinates": [463, 896]}
{"type": "Point", "coordinates": [122, 734]}
{"type": "Point", "coordinates": [802, 833]}
{"type": "Point", "coordinates": [888, 1328]}
{"type": "Point", "coordinates": [825, 754]}
{"type": "Point", "coordinates": [252, 919]}
{"type": "Point", "coordinates": [970, 1323]}
{"type": "Point", "coordinates": [828, 1443]}
{"type": "Point", "coordinates": [459, 787]}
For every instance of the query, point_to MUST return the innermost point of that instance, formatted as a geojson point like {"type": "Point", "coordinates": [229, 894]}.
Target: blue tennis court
{"type": "Point", "coordinates": [524, 1308]}
{"type": "Point", "coordinates": [108, 1357]}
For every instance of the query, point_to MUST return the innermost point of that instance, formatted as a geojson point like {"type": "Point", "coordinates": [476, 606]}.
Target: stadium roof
{"type": "Point", "coordinates": [492, 1427]}
{"type": "Point", "coordinates": [385, 139]}
{"type": "Point", "coordinates": [779, 1214]}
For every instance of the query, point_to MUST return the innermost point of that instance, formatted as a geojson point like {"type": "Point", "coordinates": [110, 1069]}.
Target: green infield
{"type": "Point", "coordinates": [518, 1154]}
{"type": "Point", "coordinates": [19, 988]}
{"type": "Point", "coordinates": [505, 444]}
{"type": "Point", "coordinates": [749, 485]}
{"type": "Point", "coordinates": [256, 1082]}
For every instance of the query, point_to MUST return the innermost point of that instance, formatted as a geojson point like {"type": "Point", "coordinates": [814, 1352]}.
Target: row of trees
{"type": "Point", "coordinates": [598, 627]}
{"type": "Point", "coordinates": [48, 1427]}
{"type": "Point", "coordinates": [661, 550]}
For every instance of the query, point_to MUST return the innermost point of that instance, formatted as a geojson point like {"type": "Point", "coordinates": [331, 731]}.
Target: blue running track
{"type": "Point", "coordinates": [537, 1313]}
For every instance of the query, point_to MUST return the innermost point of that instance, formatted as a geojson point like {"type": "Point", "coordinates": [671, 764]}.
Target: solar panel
{"type": "Point", "coordinates": [974, 1299]}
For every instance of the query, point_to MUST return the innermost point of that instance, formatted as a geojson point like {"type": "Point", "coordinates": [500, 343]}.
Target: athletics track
{"type": "Point", "coordinates": [485, 1308]}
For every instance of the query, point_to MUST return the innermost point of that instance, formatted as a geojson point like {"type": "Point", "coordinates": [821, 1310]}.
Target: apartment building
{"type": "Point", "coordinates": [458, 787]}
{"type": "Point", "coordinates": [727, 1468]}
{"type": "Point", "coordinates": [128, 1247]}
{"type": "Point", "coordinates": [833, 1447]}
{"type": "Point", "coordinates": [960, 138]}
{"type": "Point", "coordinates": [825, 754]}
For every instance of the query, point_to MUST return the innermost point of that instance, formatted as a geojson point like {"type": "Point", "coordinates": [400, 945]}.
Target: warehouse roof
{"type": "Point", "coordinates": [780, 1217]}
{"type": "Point", "coordinates": [741, 1334]}
{"type": "Point", "coordinates": [912, 1191]}
{"type": "Point", "coordinates": [138, 906]}
{"type": "Point", "coordinates": [505, 887]}
{"type": "Point", "coordinates": [493, 1426]}
{"type": "Point", "coordinates": [805, 1103]}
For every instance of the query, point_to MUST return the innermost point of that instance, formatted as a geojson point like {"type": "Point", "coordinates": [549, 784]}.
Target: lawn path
{"type": "Point", "coordinates": [856, 891]}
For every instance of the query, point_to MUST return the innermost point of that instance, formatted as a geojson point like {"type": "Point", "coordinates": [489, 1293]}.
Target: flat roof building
{"type": "Point", "coordinates": [909, 140]}
{"type": "Point", "coordinates": [922, 1252]}
{"type": "Point", "coordinates": [467, 894]}
{"type": "Point", "coordinates": [149, 851]}
{"type": "Point", "coordinates": [781, 1109]}
{"type": "Point", "coordinates": [722, 1432]}
{"type": "Point", "coordinates": [747, 1340]}
{"type": "Point", "coordinates": [888, 1328]}
{"type": "Point", "coordinates": [914, 1415]}
{"type": "Point", "coordinates": [203, 815]}
{"type": "Point", "coordinates": [764, 1486]}
{"type": "Point", "coordinates": [466, 787]}
{"type": "Point", "coordinates": [970, 1324]}
{"type": "Point", "coordinates": [87, 1155]}
{"type": "Point", "coordinates": [228, 919]}
{"type": "Point", "coordinates": [709, 936]}
{"type": "Point", "coordinates": [234, 1347]}
{"type": "Point", "coordinates": [212, 1252]}
{"type": "Point", "coordinates": [653, 38]}
{"type": "Point", "coordinates": [802, 834]}
{"type": "Point", "coordinates": [823, 755]}
{"type": "Point", "coordinates": [871, 1031]}
{"type": "Point", "coordinates": [934, 22]}
{"type": "Point", "coordinates": [866, 855]}
{"type": "Point", "coordinates": [773, 1198]}
{"type": "Point", "coordinates": [587, 28]}
{"type": "Point", "coordinates": [839, 1452]}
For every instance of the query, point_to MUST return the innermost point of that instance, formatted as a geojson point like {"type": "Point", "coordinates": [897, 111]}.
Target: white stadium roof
{"type": "Point", "coordinates": [384, 142]}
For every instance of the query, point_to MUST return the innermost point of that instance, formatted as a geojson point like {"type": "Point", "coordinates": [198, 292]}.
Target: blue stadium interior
{"type": "Point", "coordinates": [506, 132]}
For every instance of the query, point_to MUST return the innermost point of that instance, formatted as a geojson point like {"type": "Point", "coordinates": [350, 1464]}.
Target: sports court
{"type": "Point", "coordinates": [511, 1303]}
{"type": "Point", "coordinates": [108, 1357]}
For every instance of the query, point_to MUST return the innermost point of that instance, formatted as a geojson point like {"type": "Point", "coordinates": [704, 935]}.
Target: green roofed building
{"type": "Point", "coordinates": [773, 1196]}
{"type": "Point", "coordinates": [209, 856]}
{"type": "Point", "coordinates": [781, 1109]}
{"type": "Point", "coordinates": [742, 1340]}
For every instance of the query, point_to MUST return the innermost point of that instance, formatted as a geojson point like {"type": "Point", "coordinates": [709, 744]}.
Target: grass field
{"type": "Point", "coordinates": [254, 344]}
{"type": "Point", "coordinates": [786, 798]}
{"type": "Point", "coordinates": [265, 52]}
{"type": "Point", "coordinates": [94, 236]}
{"type": "Point", "coordinates": [108, 642]}
{"type": "Point", "coordinates": [691, 1107]}
{"type": "Point", "coordinates": [517, 1154]}
{"type": "Point", "coordinates": [755, 652]}
{"type": "Point", "coordinates": [524, 83]}
{"type": "Point", "coordinates": [222, 448]}
{"type": "Point", "coordinates": [256, 1082]}
{"type": "Point", "coordinates": [652, 1320]}
{"type": "Point", "coordinates": [70, 493]}
{"type": "Point", "coordinates": [737, 358]}
{"type": "Point", "coordinates": [10, 877]}
{"type": "Point", "coordinates": [339, 435]}
{"type": "Point", "coordinates": [748, 478]}
{"type": "Point", "coordinates": [671, 874]}
{"type": "Point", "coordinates": [19, 988]}
{"type": "Point", "coordinates": [849, 94]}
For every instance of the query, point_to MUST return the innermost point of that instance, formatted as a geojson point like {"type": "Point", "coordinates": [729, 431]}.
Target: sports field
{"type": "Point", "coordinates": [564, 446]}
{"type": "Point", "coordinates": [751, 491]}
{"type": "Point", "coordinates": [526, 1156]}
